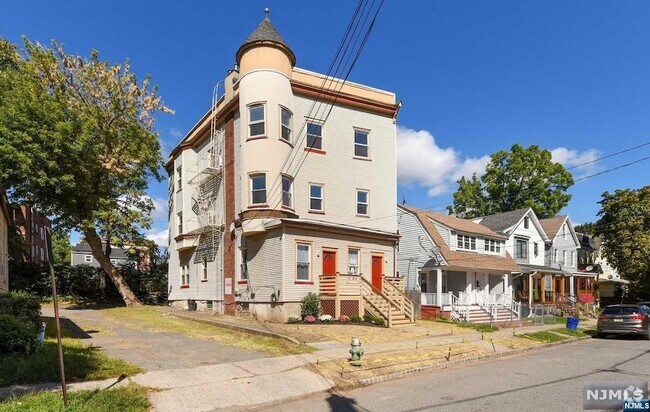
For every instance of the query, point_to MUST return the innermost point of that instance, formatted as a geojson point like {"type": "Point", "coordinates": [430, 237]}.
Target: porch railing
{"type": "Point", "coordinates": [432, 299]}
{"type": "Point", "coordinates": [404, 303]}
{"type": "Point", "coordinates": [459, 308]}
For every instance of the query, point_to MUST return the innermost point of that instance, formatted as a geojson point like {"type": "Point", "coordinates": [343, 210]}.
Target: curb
{"type": "Point", "coordinates": [236, 327]}
{"type": "Point", "coordinates": [446, 365]}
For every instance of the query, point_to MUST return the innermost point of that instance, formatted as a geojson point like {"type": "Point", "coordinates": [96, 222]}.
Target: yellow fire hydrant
{"type": "Point", "coordinates": [356, 352]}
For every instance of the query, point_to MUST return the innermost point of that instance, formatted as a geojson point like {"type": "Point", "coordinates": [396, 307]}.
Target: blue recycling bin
{"type": "Point", "coordinates": [572, 323]}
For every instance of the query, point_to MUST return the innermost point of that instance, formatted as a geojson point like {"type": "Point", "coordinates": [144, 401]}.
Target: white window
{"type": "Point", "coordinates": [88, 258]}
{"type": "Point", "coordinates": [287, 191]}
{"type": "Point", "coordinates": [573, 262]}
{"type": "Point", "coordinates": [526, 222]}
{"type": "Point", "coordinates": [521, 249]}
{"type": "Point", "coordinates": [185, 275]}
{"type": "Point", "coordinates": [256, 120]}
{"type": "Point", "coordinates": [42, 233]}
{"type": "Point", "coordinates": [362, 202]}
{"type": "Point", "coordinates": [285, 121]}
{"type": "Point", "coordinates": [361, 143]}
{"type": "Point", "coordinates": [564, 257]}
{"type": "Point", "coordinates": [303, 261]}
{"type": "Point", "coordinates": [315, 197]}
{"type": "Point", "coordinates": [466, 242]}
{"type": "Point", "coordinates": [258, 189]}
{"type": "Point", "coordinates": [179, 178]}
{"type": "Point", "coordinates": [554, 255]}
{"type": "Point", "coordinates": [114, 261]}
{"type": "Point", "coordinates": [492, 245]}
{"type": "Point", "coordinates": [315, 135]}
{"type": "Point", "coordinates": [564, 231]}
{"type": "Point", "coordinates": [180, 222]}
{"type": "Point", "coordinates": [353, 261]}
{"type": "Point", "coordinates": [205, 269]}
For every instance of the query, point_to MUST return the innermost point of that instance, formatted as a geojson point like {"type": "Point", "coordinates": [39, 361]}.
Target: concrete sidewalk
{"type": "Point", "coordinates": [260, 381]}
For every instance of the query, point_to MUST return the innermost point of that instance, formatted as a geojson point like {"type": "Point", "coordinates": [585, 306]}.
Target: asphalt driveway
{"type": "Point", "coordinates": [151, 350]}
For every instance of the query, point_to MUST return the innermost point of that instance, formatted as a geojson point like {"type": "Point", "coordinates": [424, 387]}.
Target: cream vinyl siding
{"type": "Point", "coordinates": [341, 174]}
{"type": "Point", "coordinates": [293, 292]}
{"type": "Point", "coordinates": [264, 254]}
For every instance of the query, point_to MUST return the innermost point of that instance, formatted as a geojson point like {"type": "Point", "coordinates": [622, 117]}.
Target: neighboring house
{"type": "Point", "coordinates": [527, 242]}
{"type": "Point", "coordinates": [562, 253]}
{"type": "Point", "coordinates": [461, 268]}
{"type": "Point", "coordinates": [83, 255]}
{"type": "Point", "coordinates": [590, 261]}
{"type": "Point", "coordinates": [270, 191]}
{"type": "Point", "coordinates": [32, 226]}
{"type": "Point", "coordinates": [5, 226]}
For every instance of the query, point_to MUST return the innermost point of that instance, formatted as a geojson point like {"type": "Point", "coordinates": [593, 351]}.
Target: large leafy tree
{"type": "Point", "coordinates": [521, 177]}
{"type": "Point", "coordinates": [77, 140]}
{"type": "Point", "coordinates": [624, 225]}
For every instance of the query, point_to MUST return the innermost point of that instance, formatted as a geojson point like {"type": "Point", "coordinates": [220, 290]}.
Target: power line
{"type": "Point", "coordinates": [608, 156]}
{"type": "Point", "coordinates": [612, 169]}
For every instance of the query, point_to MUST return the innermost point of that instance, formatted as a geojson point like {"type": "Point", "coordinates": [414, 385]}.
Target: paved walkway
{"type": "Point", "coordinates": [151, 350]}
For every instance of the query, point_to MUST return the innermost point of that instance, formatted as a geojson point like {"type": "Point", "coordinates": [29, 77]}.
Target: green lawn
{"type": "Point", "coordinates": [152, 318]}
{"type": "Point", "coordinates": [544, 336]}
{"type": "Point", "coordinates": [480, 327]}
{"type": "Point", "coordinates": [82, 362]}
{"type": "Point", "coordinates": [131, 398]}
{"type": "Point", "coordinates": [578, 333]}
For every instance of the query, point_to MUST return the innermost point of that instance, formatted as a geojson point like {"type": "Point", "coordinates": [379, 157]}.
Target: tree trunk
{"type": "Point", "coordinates": [96, 246]}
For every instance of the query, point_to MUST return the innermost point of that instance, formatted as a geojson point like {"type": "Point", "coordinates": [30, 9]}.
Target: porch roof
{"type": "Point", "coordinates": [544, 269]}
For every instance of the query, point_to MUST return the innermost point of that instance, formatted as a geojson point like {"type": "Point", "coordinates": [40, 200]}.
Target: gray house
{"type": "Point", "coordinates": [82, 255]}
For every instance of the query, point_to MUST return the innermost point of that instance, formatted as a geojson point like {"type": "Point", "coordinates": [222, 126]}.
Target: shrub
{"type": "Point", "coordinates": [380, 322]}
{"type": "Point", "coordinates": [309, 319]}
{"type": "Point", "coordinates": [293, 319]}
{"type": "Point", "coordinates": [16, 335]}
{"type": "Point", "coordinates": [355, 319]}
{"type": "Point", "coordinates": [368, 317]}
{"type": "Point", "coordinates": [26, 308]}
{"type": "Point", "coordinates": [310, 305]}
{"type": "Point", "coordinates": [326, 318]}
{"type": "Point", "coordinates": [344, 319]}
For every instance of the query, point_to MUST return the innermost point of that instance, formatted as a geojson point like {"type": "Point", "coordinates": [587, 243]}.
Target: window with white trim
{"type": "Point", "coordinates": [564, 257]}
{"type": "Point", "coordinates": [526, 222]}
{"type": "Point", "coordinates": [179, 178]}
{"type": "Point", "coordinates": [285, 124]}
{"type": "Point", "coordinates": [258, 189]}
{"type": "Point", "coordinates": [492, 245]}
{"type": "Point", "coordinates": [185, 275]}
{"type": "Point", "coordinates": [205, 269]}
{"type": "Point", "coordinates": [180, 222]}
{"type": "Point", "coordinates": [353, 261]}
{"type": "Point", "coordinates": [554, 255]}
{"type": "Point", "coordinates": [287, 191]}
{"type": "Point", "coordinates": [88, 258]}
{"type": "Point", "coordinates": [564, 231]}
{"type": "Point", "coordinates": [303, 261]}
{"type": "Point", "coordinates": [466, 242]}
{"type": "Point", "coordinates": [521, 249]}
{"type": "Point", "coordinates": [362, 202]}
{"type": "Point", "coordinates": [573, 261]}
{"type": "Point", "coordinates": [256, 118]}
{"type": "Point", "coordinates": [361, 144]}
{"type": "Point", "coordinates": [316, 197]}
{"type": "Point", "coordinates": [114, 261]}
{"type": "Point", "coordinates": [314, 136]}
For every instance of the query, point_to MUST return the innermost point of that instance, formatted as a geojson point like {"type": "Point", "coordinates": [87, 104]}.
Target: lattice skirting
{"type": "Point", "coordinates": [328, 307]}
{"type": "Point", "coordinates": [350, 307]}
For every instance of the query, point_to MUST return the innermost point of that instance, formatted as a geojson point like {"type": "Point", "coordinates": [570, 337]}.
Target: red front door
{"type": "Point", "coordinates": [329, 262]}
{"type": "Point", "coordinates": [377, 269]}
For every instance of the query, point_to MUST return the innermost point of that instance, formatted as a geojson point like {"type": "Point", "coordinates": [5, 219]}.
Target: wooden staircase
{"type": "Point", "coordinates": [390, 304]}
{"type": "Point", "coordinates": [478, 314]}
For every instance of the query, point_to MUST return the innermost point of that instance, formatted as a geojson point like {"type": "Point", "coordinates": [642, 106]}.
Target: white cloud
{"type": "Point", "coordinates": [176, 133]}
{"type": "Point", "coordinates": [160, 237]}
{"type": "Point", "coordinates": [160, 208]}
{"type": "Point", "coordinates": [572, 158]}
{"type": "Point", "coordinates": [421, 161]}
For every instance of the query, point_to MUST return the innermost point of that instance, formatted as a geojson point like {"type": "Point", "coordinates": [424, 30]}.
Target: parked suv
{"type": "Point", "coordinates": [624, 320]}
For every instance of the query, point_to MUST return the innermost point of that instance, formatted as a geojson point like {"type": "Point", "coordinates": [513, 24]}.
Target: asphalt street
{"type": "Point", "coordinates": [546, 380]}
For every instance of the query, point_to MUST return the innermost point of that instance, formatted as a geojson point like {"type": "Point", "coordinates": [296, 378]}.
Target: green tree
{"type": "Point", "coordinates": [77, 140]}
{"type": "Point", "coordinates": [588, 228]}
{"type": "Point", "coordinates": [61, 247]}
{"type": "Point", "coordinates": [624, 225]}
{"type": "Point", "coordinates": [521, 177]}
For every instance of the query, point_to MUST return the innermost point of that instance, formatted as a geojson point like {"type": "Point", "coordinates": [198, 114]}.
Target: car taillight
{"type": "Point", "coordinates": [640, 317]}
{"type": "Point", "coordinates": [602, 316]}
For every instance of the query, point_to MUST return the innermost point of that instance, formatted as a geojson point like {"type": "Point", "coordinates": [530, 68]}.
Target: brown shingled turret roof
{"type": "Point", "coordinates": [266, 33]}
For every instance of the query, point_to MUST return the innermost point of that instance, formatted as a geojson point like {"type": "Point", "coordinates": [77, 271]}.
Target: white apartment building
{"type": "Point", "coordinates": [289, 176]}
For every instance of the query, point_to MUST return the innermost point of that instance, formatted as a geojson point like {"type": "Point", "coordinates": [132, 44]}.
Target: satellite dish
{"type": "Point", "coordinates": [435, 249]}
{"type": "Point", "coordinates": [589, 268]}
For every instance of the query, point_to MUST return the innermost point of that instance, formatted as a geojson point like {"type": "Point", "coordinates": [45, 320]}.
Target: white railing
{"type": "Point", "coordinates": [432, 299]}
{"type": "Point", "coordinates": [459, 308]}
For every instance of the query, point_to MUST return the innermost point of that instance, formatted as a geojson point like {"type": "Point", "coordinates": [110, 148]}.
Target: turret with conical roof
{"type": "Point", "coordinates": [265, 48]}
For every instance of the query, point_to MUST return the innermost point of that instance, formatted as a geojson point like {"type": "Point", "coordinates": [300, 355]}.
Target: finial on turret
{"type": "Point", "coordinates": [267, 11]}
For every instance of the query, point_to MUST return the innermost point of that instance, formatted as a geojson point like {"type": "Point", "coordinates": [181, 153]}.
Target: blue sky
{"type": "Point", "coordinates": [474, 76]}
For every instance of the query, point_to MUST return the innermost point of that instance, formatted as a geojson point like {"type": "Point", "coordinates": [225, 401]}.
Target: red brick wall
{"type": "Point", "coordinates": [433, 312]}
{"type": "Point", "coordinates": [230, 247]}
